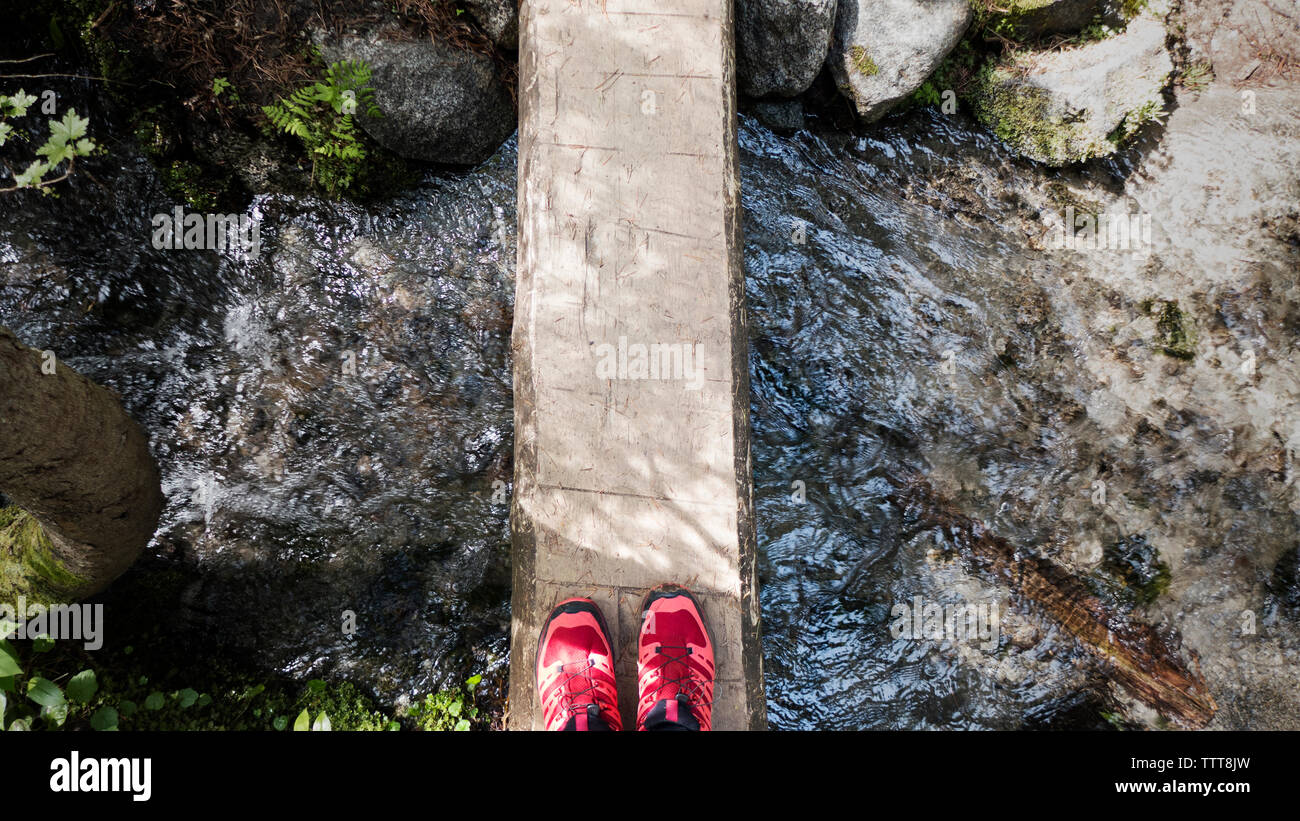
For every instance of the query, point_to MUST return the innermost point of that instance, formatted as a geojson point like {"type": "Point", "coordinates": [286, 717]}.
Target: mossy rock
{"type": "Point", "coordinates": [1024, 117]}
{"type": "Point", "coordinates": [881, 53]}
{"type": "Point", "coordinates": [28, 566]}
{"type": "Point", "coordinates": [1060, 107]}
{"type": "Point", "coordinates": [1023, 20]}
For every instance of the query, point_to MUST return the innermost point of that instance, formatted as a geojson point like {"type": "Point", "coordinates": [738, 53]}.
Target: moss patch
{"type": "Point", "coordinates": [1131, 573]}
{"type": "Point", "coordinates": [27, 563]}
{"type": "Point", "coordinates": [1005, 20]}
{"type": "Point", "coordinates": [1177, 330]}
{"type": "Point", "coordinates": [1132, 8]}
{"type": "Point", "coordinates": [1135, 563]}
{"type": "Point", "coordinates": [186, 180]}
{"type": "Point", "coordinates": [1020, 115]}
{"type": "Point", "coordinates": [862, 62]}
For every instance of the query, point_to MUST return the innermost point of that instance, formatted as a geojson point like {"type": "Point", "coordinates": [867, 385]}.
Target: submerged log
{"type": "Point", "coordinates": [1143, 659]}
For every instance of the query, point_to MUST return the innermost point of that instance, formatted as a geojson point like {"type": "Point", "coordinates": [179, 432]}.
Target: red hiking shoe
{"type": "Point", "coordinates": [675, 666]}
{"type": "Point", "coordinates": [575, 669]}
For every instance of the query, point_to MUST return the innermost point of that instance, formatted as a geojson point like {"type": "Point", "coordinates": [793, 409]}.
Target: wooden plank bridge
{"type": "Point", "coordinates": [632, 463]}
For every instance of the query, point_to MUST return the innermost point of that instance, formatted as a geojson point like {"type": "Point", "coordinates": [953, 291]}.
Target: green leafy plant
{"type": "Point", "coordinates": [1197, 76]}
{"type": "Point", "coordinates": [320, 115]}
{"type": "Point", "coordinates": [66, 142]}
{"type": "Point", "coordinates": [104, 719]}
{"type": "Point", "coordinates": [220, 86]}
{"type": "Point", "coordinates": [1149, 112]}
{"type": "Point", "coordinates": [449, 710]}
{"type": "Point", "coordinates": [926, 94]}
{"type": "Point", "coordinates": [304, 723]}
{"type": "Point", "coordinates": [1132, 8]}
{"type": "Point", "coordinates": [47, 686]}
{"type": "Point", "coordinates": [27, 698]}
{"type": "Point", "coordinates": [31, 696]}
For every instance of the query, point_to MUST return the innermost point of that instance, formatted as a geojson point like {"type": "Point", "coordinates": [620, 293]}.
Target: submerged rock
{"type": "Point", "coordinates": [781, 44]}
{"type": "Point", "coordinates": [499, 19]}
{"type": "Point", "coordinates": [1285, 581]}
{"type": "Point", "coordinates": [782, 116]}
{"type": "Point", "coordinates": [1060, 107]}
{"type": "Point", "coordinates": [883, 50]}
{"type": "Point", "coordinates": [440, 103]}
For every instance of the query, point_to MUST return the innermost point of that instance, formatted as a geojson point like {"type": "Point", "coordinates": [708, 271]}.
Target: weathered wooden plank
{"type": "Point", "coordinates": [629, 235]}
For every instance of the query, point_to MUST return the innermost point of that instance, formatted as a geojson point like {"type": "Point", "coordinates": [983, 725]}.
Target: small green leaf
{"type": "Point", "coordinates": [56, 152]}
{"type": "Point", "coordinates": [29, 177]}
{"type": "Point", "coordinates": [280, 722]}
{"type": "Point", "coordinates": [56, 714]}
{"type": "Point", "coordinates": [322, 723]}
{"type": "Point", "coordinates": [316, 685]}
{"type": "Point", "coordinates": [473, 681]}
{"type": "Point", "coordinates": [83, 686]}
{"type": "Point", "coordinates": [70, 128]}
{"type": "Point", "coordinates": [9, 665]}
{"type": "Point", "coordinates": [44, 692]}
{"type": "Point", "coordinates": [127, 708]}
{"type": "Point", "coordinates": [462, 726]}
{"type": "Point", "coordinates": [453, 709]}
{"type": "Point", "coordinates": [19, 103]}
{"type": "Point", "coordinates": [187, 698]}
{"type": "Point", "coordinates": [302, 722]}
{"type": "Point", "coordinates": [128, 650]}
{"type": "Point", "coordinates": [20, 724]}
{"type": "Point", "coordinates": [154, 701]}
{"type": "Point", "coordinates": [104, 719]}
{"type": "Point", "coordinates": [205, 700]}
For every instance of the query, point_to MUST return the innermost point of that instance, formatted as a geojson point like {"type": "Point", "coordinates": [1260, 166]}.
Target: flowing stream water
{"type": "Point", "coordinates": [333, 418]}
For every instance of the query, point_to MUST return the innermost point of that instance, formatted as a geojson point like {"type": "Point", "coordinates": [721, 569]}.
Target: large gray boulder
{"type": "Point", "coordinates": [440, 103]}
{"type": "Point", "coordinates": [1061, 107]}
{"type": "Point", "coordinates": [499, 19]}
{"type": "Point", "coordinates": [884, 49]}
{"type": "Point", "coordinates": [781, 44]}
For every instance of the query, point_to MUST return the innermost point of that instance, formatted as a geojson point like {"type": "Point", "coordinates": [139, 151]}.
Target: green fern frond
{"type": "Point", "coordinates": [321, 116]}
